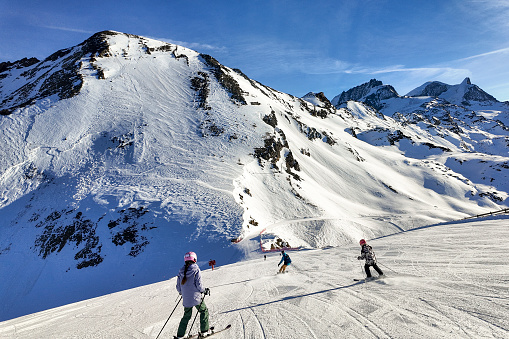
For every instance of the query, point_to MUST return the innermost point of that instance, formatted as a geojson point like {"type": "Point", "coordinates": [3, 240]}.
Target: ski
{"type": "Point", "coordinates": [189, 336]}
{"type": "Point", "coordinates": [368, 279]}
{"type": "Point", "coordinates": [199, 335]}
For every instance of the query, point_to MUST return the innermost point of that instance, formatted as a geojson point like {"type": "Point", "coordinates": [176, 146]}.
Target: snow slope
{"type": "Point", "coordinates": [442, 281]}
{"type": "Point", "coordinates": [122, 153]}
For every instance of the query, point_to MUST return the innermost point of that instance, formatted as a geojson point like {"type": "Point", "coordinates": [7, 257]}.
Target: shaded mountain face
{"type": "Point", "coordinates": [431, 89]}
{"type": "Point", "coordinates": [122, 153]}
{"type": "Point", "coordinates": [463, 94]}
{"type": "Point", "coordinates": [371, 93]}
{"type": "Point", "coordinates": [29, 80]}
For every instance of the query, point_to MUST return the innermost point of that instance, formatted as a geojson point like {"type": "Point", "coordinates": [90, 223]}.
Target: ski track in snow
{"type": "Point", "coordinates": [446, 281]}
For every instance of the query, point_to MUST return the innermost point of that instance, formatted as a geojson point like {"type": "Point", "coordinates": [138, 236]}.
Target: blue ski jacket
{"type": "Point", "coordinates": [286, 259]}
{"type": "Point", "coordinates": [193, 288]}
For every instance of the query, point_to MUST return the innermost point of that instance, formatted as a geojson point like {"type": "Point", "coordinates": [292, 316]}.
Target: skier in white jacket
{"type": "Point", "coordinates": [190, 286]}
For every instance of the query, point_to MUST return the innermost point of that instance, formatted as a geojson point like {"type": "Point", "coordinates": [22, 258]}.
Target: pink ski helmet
{"type": "Point", "coordinates": [190, 256]}
{"type": "Point", "coordinates": [362, 242]}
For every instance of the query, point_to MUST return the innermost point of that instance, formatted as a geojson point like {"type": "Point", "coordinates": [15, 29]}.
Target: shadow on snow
{"type": "Point", "coordinates": [294, 297]}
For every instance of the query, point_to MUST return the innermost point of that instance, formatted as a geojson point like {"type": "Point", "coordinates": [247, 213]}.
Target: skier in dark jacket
{"type": "Point", "coordinates": [285, 260]}
{"type": "Point", "coordinates": [368, 254]}
{"type": "Point", "coordinates": [190, 286]}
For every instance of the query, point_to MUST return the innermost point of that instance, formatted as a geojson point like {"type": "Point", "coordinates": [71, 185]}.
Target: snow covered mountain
{"type": "Point", "coordinates": [122, 153]}
{"type": "Point", "coordinates": [460, 126]}
{"type": "Point", "coordinates": [461, 94]}
{"type": "Point", "coordinates": [375, 92]}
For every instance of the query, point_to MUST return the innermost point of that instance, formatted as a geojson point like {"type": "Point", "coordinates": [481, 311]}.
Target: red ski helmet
{"type": "Point", "coordinates": [190, 256]}
{"type": "Point", "coordinates": [362, 242]}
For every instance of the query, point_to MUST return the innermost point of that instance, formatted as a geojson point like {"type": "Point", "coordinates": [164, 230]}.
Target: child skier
{"type": "Point", "coordinates": [285, 260]}
{"type": "Point", "coordinates": [189, 285]}
{"type": "Point", "coordinates": [368, 254]}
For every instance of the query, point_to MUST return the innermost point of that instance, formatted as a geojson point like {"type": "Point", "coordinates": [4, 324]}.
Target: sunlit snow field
{"type": "Point", "coordinates": [444, 281]}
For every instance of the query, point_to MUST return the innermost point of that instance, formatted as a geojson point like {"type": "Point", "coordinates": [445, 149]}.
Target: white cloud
{"type": "Point", "coordinates": [67, 29]}
{"type": "Point", "coordinates": [498, 51]}
{"type": "Point", "coordinates": [269, 56]}
{"type": "Point", "coordinates": [427, 73]}
{"type": "Point", "coordinates": [490, 71]}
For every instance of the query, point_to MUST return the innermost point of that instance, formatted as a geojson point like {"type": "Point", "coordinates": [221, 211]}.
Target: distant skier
{"type": "Point", "coordinates": [368, 254]}
{"type": "Point", "coordinates": [189, 285]}
{"type": "Point", "coordinates": [285, 260]}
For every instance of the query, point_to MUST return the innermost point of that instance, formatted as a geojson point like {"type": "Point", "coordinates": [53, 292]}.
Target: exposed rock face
{"type": "Point", "coordinates": [371, 93]}
{"type": "Point", "coordinates": [25, 62]}
{"type": "Point", "coordinates": [433, 89]}
{"type": "Point", "coordinates": [61, 228]}
{"type": "Point", "coordinates": [461, 94]}
{"type": "Point", "coordinates": [227, 81]}
{"type": "Point", "coordinates": [474, 93]}
{"type": "Point", "coordinates": [318, 99]}
{"type": "Point", "coordinates": [58, 74]}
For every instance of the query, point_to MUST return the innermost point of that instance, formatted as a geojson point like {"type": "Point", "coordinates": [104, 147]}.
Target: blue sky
{"type": "Point", "coordinates": [292, 46]}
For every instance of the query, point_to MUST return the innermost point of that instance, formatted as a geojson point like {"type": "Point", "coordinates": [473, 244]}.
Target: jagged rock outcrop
{"type": "Point", "coordinates": [461, 94]}
{"type": "Point", "coordinates": [371, 93]}
{"type": "Point", "coordinates": [59, 74]}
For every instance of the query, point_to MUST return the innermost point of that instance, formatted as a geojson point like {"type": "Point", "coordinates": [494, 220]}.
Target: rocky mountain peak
{"type": "Point", "coordinates": [371, 93]}
{"type": "Point", "coordinates": [25, 62]}
{"type": "Point", "coordinates": [60, 73]}
{"type": "Point", "coordinates": [356, 93]}
{"type": "Point", "coordinates": [461, 94]}
{"type": "Point", "coordinates": [317, 99]}
{"type": "Point", "coordinates": [429, 89]}
{"type": "Point", "coordinates": [97, 44]}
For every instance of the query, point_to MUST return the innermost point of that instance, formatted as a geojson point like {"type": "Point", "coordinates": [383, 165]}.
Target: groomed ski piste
{"type": "Point", "coordinates": [442, 281]}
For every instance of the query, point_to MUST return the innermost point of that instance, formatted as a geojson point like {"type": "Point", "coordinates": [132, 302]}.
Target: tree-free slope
{"type": "Point", "coordinates": [444, 281]}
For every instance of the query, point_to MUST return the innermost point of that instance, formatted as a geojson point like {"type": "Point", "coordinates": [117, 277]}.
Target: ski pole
{"type": "Point", "coordinates": [362, 270]}
{"type": "Point", "coordinates": [376, 261]}
{"type": "Point", "coordinates": [199, 307]}
{"type": "Point", "coordinates": [169, 317]}
{"type": "Point", "coordinates": [388, 268]}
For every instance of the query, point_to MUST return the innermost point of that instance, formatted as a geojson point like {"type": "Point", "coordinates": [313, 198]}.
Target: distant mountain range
{"type": "Point", "coordinates": [375, 92]}
{"type": "Point", "coordinates": [122, 153]}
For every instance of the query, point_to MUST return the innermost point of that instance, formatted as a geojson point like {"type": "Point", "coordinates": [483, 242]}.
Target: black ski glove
{"type": "Point", "coordinates": [207, 291]}
{"type": "Point", "coordinates": [359, 258]}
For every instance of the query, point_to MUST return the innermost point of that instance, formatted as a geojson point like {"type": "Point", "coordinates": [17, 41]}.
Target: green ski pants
{"type": "Point", "coordinates": [188, 312]}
